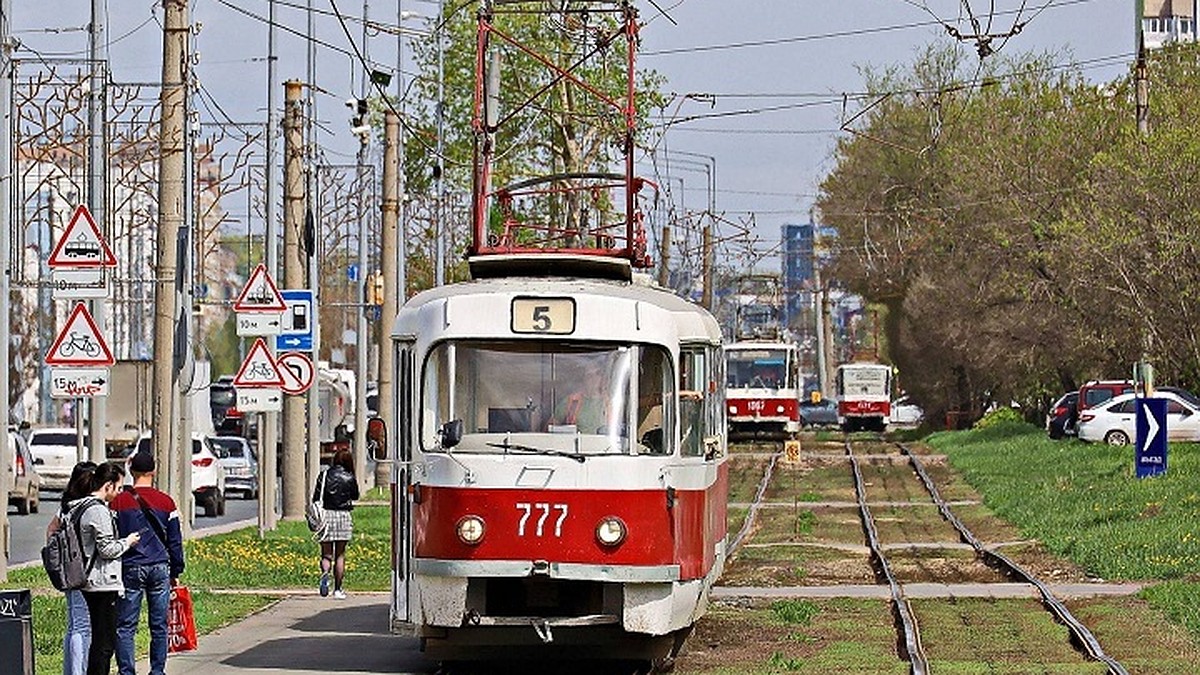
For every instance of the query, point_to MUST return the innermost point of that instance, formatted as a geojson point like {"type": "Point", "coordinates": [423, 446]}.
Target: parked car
{"type": "Point", "coordinates": [1063, 416]}
{"type": "Point", "coordinates": [821, 413]}
{"type": "Point", "coordinates": [1095, 392]}
{"type": "Point", "coordinates": [24, 483]}
{"type": "Point", "coordinates": [241, 465]}
{"type": "Point", "coordinates": [208, 475]}
{"type": "Point", "coordinates": [222, 402]}
{"type": "Point", "coordinates": [1114, 422]}
{"type": "Point", "coordinates": [905, 413]}
{"type": "Point", "coordinates": [54, 454]}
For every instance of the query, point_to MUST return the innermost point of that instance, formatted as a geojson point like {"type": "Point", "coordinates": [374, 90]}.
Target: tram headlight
{"type": "Point", "coordinates": [778, 408]}
{"type": "Point", "coordinates": [732, 410]}
{"type": "Point", "coordinates": [611, 531]}
{"type": "Point", "coordinates": [470, 529]}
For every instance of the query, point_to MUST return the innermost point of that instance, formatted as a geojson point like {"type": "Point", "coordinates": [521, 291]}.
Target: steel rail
{"type": "Point", "coordinates": [756, 505]}
{"type": "Point", "coordinates": [913, 650]}
{"type": "Point", "coordinates": [1079, 632]}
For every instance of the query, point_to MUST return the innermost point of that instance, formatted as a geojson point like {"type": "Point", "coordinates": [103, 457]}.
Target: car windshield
{"type": "Point", "coordinates": [54, 438]}
{"type": "Point", "coordinates": [228, 447]}
{"type": "Point", "coordinates": [757, 368]}
{"type": "Point", "coordinates": [568, 398]}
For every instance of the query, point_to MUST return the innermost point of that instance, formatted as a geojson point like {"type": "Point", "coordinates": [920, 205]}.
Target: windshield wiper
{"type": "Point", "coordinates": [537, 451]}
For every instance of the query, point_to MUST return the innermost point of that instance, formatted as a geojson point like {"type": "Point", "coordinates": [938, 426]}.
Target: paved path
{"type": "Point", "coordinates": [304, 635]}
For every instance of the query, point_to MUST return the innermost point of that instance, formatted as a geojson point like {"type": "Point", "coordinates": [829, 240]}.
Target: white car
{"type": "Point", "coordinates": [54, 454]}
{"type": "Point", "coordinates": [240, 462]}
{"type": "Point", "coordinates": [906, 414]}
{"type": "Point", "coordinates": [1115, 420]}
{"type": "Point", "coordinates": [208, 474]}
{"type": "Point", "coordinates": [23, 480]}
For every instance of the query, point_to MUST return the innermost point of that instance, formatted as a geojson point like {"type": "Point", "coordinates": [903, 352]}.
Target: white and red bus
{"type": "Point", "coordinates": [864, 396]}
{"type": "Point", "coordinates": [762, 388]}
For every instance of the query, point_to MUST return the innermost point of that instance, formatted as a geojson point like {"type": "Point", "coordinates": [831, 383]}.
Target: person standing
{"type": "Point", "coordinates": [149, 570]}
{"type": "Point", "coordinates": [104, 586]}
{"type": "Point", "coordinates": [340, 491]}
{"type": "Point", "coordinates": [78, 637]}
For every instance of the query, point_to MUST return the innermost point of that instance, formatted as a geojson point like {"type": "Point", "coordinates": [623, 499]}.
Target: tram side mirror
{"type": "Point", "coordinates": [377, 439]}
{"type": "Point", "coordinates": [451, 433]}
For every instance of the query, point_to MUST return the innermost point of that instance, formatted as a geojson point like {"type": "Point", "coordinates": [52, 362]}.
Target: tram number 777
{"type": "Point", "coordinates": [545, 508]}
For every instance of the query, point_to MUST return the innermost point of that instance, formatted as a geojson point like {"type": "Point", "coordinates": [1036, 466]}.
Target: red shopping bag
{"type": "Point", "coordinates": [181, 621]}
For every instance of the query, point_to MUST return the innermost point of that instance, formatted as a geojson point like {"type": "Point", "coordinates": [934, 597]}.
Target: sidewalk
{"type": "Point", "coordinates": [306, 634]}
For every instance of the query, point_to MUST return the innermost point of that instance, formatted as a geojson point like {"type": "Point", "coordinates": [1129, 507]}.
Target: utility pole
{"type": "Point", "coordinates": [294, 194]}
{"type": "Point", "coordinates": [439, 230]}
{"type": "Point", "coordinates": [6, 222]}
{"type": "Point", "coordinates": [664, 255]}
{"type": "Point", "coordinates": [170, 218]}
{"type": "Point", "coordinates": [391, 296]}
{"type": "Point", "coordinates": [362, 329]}
{"type": "Point", "coordinates": [269, 422]}
{"type": "Point", "coordinates": [1142, 91]}
{"type": "Point", "coordinates": [97, 172]}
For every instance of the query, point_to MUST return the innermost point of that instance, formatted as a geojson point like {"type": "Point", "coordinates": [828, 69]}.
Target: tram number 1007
{"type": "Point", "coordinates": [527, 510]}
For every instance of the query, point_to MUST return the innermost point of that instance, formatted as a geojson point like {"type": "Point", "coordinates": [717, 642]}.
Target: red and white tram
{"type": "Point", "coordinates": [864, 396]}
{"type": "Point", "coordinates": [762, 388]}
{"type": "Point", "coordinates": [561, 476]}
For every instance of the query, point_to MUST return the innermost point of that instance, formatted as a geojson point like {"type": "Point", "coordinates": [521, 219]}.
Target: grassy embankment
{"type": "Point", "coordinates": [285, 559]}
{"type": "Point", "coordinates": [1084, 503]}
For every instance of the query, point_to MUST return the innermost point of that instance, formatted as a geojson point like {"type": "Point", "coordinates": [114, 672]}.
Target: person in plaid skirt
{"type": "Point", "coordinates": [341, 489]}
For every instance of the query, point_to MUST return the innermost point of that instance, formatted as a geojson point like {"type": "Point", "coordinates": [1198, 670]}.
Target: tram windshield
{"type": "Point", "coordinates": [757, 368]}
{"type": "Point", "coordinates": [548, 397]}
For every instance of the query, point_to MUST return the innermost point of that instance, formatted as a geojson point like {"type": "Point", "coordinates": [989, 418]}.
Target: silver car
{"type": "Point", "coordinates": [23, 480]}
{"type": "Point", "coordinates": [241, 465]}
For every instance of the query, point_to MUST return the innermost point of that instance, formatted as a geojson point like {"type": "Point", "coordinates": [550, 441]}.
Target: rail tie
{"type": "Point", "coordinates": [1079, 632]}
{"type": "Point", "coordinates": [757, 504]}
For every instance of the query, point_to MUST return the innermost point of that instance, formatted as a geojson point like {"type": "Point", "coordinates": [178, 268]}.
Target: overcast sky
{"type": "Point", "coordinates": [749, 53]}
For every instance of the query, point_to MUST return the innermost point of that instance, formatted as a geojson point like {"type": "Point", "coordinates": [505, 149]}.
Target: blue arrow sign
{"type": "Point", "coordinates": [296, 333]}
{"type": "Point", "coordinates": [1150, 456]}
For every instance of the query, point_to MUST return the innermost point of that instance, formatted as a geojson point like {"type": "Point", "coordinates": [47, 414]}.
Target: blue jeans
{"type": "Point", "coordinates": [153, 581]}
{"type": "Point", "coordinates": [78, 638]}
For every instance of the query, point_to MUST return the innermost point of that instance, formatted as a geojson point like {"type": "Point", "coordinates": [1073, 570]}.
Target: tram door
{"type": "Point", "coordinates": [401, 480]}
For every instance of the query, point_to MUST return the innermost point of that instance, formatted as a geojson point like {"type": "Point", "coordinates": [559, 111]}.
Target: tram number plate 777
{"type": "Point", "coordinates": [535, 517]}
{"type": "Point", "coordinates": [548, 316]}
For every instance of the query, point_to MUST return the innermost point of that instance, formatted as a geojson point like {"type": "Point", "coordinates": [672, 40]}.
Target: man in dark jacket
{"type": "Point", "coordinates": [151, 568]}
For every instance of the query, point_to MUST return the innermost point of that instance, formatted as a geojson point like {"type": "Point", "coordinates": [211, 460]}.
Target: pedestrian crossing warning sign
{"type": "Point", "coordinates": [260, 294]}
{"type": "Point", "coordinates": [79, 343]}
{"type": "Point", "coordinates": [259, 369]}
{"type": "Point", "coordinates": [81, 244]}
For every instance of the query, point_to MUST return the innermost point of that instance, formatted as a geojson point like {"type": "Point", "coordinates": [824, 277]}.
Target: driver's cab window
{"type": "Point", "coordinates": [693, 394]}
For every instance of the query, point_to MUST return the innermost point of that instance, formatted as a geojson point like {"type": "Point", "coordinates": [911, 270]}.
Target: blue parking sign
{"type": "Point", "coordinates": [1150, 454]}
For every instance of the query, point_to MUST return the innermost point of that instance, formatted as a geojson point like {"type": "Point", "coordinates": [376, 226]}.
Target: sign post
{"type": "Point", "coordinates": [1150, 456]}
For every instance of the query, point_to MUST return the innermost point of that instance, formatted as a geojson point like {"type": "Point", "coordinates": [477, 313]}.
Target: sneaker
{"type": "Point", "coordinates": [339, 594]}
{"type": "Point", "coordinates": [324, 585]}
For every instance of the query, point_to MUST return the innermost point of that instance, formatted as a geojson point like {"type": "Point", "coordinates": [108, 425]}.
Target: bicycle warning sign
{"type": "Point", "coordinates": [259, 369]}
{"type": "Point", "coordinates": [79, 343]}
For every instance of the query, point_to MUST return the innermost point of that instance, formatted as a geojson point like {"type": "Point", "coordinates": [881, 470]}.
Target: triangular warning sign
{"type": "Point", "coordinates": [259, 369]}
{"type": "Point", "coordinates": [81, 245]}
{"type": "Point", "coordinates": [79, 343]}
{"type": "Point", "coordinates": [260, 294]}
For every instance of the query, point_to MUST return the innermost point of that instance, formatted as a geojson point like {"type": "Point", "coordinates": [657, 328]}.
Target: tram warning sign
{"type": "Point", "coordinates": [260, 294]}
{"type": "Point", "coordinates": [79, 343]}
{"type": "Point", "coordinates": [81, 245]}
{"type": "Point", "coordinates": [259, 369]}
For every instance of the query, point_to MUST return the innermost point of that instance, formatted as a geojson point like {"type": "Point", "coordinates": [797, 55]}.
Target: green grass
{"type": "Point", "coordinates": [1179, 601]}
{"type": "Point", "coordinates": [799, 612]}
{"type": "Point", "coordinates": [1083, 500]}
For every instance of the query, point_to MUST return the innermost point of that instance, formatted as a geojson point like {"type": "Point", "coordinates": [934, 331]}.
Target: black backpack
{"type": "Point", "coordinates": [63, 556]}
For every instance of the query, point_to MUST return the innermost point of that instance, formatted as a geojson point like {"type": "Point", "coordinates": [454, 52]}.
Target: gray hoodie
{"type": "Point", "coordinates": [99, 529]}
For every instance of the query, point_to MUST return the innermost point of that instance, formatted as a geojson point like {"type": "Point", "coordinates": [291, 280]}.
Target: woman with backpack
{"type": "Point", "coordinates": [103, 550]}
{"type": "Point", "coordinates": [78, 637]}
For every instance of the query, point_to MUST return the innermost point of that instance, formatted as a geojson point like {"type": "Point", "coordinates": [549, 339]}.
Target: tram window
{"type": "Point", "coordinates": [656, 396]}
{"type": "Point", "coordinates": [693, 382]}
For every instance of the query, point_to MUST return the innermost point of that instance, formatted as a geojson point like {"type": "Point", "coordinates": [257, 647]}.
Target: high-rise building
{"type": "Point", "coordinates": [797, 257]}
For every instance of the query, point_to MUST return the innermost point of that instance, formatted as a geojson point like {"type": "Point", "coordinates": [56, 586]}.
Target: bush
{"type": "Point", "coordinates": [998, 417]}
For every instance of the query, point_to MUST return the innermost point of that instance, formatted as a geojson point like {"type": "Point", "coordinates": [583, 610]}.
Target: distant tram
{"type": "Point", "coordinates": [762, 388]}
{"type": "Point", "coordinates": [864, 396]}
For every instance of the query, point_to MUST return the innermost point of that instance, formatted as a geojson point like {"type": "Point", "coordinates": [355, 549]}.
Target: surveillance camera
{"type": "Point", "coordinates": [351, 102]}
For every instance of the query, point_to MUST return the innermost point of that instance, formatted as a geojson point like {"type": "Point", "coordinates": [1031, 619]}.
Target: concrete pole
{"type": "Point", "coordinates": [294, 488]}
{"type": "Point", "coordinates": [170, 218]}
{"type": "Point", "coordinates": [439, 230]}
{"type": "Point", "coordinates": [97, 202]}
{"type": "Point", "coordinates": [391, 294]}
{"type": "Point", "coordinates": [664, 254]}
{"type": "Point", "coordinates": [706, 294]}
{"type": "Point", "coordinates": [362, 328]}
{"type": "Point", "coordinates": [269, 422]}
{"type": "Point", "coordinates": [6, 223]}
{"type": "Point", "coordinates": [312, 438]}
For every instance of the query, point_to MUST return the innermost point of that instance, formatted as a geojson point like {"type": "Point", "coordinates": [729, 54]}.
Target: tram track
{"type": "Point", "coordinates": [970, 574]}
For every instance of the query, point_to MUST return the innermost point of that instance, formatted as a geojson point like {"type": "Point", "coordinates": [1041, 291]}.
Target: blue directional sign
{"type": "Point", "coordinates": [1150, 456]}
{"type": "Point", "coordinates": [296, 334]}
